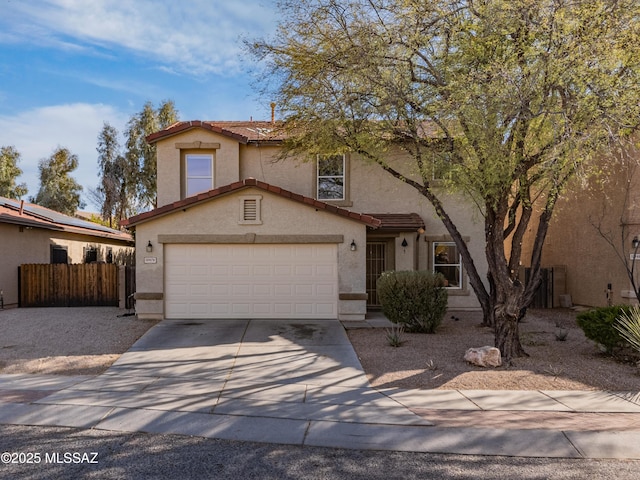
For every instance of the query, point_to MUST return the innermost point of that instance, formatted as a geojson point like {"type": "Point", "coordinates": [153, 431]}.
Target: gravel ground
{"type": "Point", "coordinates": [65, 341]}
{"type": "Point", "coordinates": [86, 341]}
{"type": "Point", "coordinates": [436, 361]}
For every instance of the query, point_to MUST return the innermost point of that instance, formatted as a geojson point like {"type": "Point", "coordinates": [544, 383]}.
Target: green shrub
{"type": "Point", "coordinates": [599, 325]}
{"type": "Point", "coordinates": [418, 300]}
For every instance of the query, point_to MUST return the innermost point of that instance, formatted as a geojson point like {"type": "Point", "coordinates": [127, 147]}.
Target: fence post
{"type": "Point", "coordinates": [122, 286]}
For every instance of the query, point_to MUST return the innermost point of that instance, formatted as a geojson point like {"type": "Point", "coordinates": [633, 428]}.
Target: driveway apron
{"type": "Point", "coordinates": [299, 370]}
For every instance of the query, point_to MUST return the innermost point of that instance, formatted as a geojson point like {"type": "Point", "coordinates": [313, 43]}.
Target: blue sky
{"type": "Point", "coordinates": [68, 66]}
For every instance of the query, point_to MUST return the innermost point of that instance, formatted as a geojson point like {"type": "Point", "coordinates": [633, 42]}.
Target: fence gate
{"type": "Point", "coordinates": [543, 297]}
{"type": "Point", "coordinates": [63, 285]}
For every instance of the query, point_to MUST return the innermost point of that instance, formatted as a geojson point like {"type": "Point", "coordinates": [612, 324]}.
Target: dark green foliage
{"type": "Point", "coordinates": [598, 325]}
{"type": "Point", "coordinates": [418, 300]}
{"type": "Point", "coordinates": [9, 171]}
{"type": "Point", "coordinates": [58, 190]}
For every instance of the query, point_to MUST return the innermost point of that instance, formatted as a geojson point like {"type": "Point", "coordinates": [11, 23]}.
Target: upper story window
{"type": "Point", "coordinates": [198, 173]}
{"type": "Point", "coordinates": [331, 177]}
{"type": "Point", "coordinates": [447, 261]}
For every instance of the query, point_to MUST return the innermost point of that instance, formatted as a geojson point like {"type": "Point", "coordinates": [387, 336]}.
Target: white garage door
{"type": "Point", "coordinates": [251, 281]}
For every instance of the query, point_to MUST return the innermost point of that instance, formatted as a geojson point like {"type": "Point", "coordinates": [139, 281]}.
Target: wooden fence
{"type": "Point", "coordinates": [63, 285]}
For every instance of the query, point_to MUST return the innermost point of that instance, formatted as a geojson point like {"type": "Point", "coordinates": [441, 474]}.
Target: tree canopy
{"type": "Point", "coordinates": [58, 190]}
{"type": "Point", "coordinates": [128, 176]}
{"type": "Point", "coordinates": [141, 156]}
{"type": "Point", "coordinates": [512, 97]}
{"type": "Point", "coordinates": [9, 172]}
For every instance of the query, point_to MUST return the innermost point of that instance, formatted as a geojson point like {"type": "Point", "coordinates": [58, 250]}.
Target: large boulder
{"type": "Point", "coordinates": [484, 357]}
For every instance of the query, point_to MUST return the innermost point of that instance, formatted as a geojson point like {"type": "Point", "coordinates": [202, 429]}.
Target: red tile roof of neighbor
{"type": "Point", "coordinates": [26, 214]}
{"type": "Point", "coordinates": [250, 182]}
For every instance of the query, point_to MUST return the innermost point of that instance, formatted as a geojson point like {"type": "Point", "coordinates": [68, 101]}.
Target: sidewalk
{"type": "Point", "coordinates": [301, 383]}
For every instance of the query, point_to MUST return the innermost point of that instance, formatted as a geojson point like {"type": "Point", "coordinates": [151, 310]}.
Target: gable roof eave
{"type": "Point", "coordinates": [195, 200]}
{"type": "Point", "coordinates": [181, 127]}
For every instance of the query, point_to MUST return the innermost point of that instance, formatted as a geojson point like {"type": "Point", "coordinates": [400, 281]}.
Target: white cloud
{"type": "Point", "coordinates": [38, 132]}
{"type": "Point", "coordinates": [196, 36]}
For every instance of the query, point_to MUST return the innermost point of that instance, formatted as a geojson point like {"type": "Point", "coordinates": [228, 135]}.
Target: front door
{"type": "Point", "coordinates": [376, 264]}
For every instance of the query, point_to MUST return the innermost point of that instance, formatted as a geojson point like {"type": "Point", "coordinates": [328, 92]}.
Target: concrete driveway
{"type": "Point", "coordinates": [292, 382]}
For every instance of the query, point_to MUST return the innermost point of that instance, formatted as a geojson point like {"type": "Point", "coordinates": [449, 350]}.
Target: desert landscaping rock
{"type": "Point", "coordinates": [484, 357]}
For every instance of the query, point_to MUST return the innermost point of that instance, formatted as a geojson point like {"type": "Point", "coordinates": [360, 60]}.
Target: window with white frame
{"type": "Point", "coordinates": [198, 173]}
{"type": "Point", "coordinates": [331, 173]}
{"type": "Point", "coordinates": [447, 261]}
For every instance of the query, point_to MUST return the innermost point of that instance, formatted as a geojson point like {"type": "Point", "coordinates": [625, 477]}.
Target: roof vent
{"type": "Point", "coordinates": [250, 210]}
{"type": "Point", "coordinates": [250, 213]}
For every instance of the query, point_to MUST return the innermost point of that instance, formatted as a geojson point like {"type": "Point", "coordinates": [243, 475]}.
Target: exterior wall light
{"type": "Point", "coordinates": [635, 242]}
{"type": "Point", "coordinates": [149, 247]}
{"type": "Point", "coordinates": [354, 247]}
{"type": "Point", "coordinates": [404, 243]}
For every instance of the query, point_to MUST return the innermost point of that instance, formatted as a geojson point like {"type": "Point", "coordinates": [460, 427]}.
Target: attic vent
{"type": "Point", "coordinates": [250, 210]}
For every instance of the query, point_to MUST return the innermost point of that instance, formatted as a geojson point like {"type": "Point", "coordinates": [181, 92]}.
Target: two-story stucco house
{"type": "Point", "coordinates": [237, 234]}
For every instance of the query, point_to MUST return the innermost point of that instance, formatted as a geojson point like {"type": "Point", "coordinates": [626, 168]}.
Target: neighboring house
{"type": "Point", "coordinates": [606, 206]}
{"type": "Point", "coordinates": [237, 234]}
{"type": "Point", "coordinates": [33, 234]}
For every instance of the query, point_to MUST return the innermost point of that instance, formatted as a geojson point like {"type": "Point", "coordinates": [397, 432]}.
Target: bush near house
{"type": "Point", "coordinates": [599, 325]}
{"type": "Point", "coordinates": [416, 299]}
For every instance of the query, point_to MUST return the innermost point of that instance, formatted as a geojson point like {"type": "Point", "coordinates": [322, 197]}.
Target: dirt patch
{"type": "Point", "coordinates": [436, 361]}
{"type": "Point", "coordinates": [66, 341]}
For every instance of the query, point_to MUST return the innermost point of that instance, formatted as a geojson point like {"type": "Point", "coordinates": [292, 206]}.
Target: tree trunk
{"type": "Point", "coordinates": [507, 338]}
{"type": "Point", "coordinates": [507, 318]}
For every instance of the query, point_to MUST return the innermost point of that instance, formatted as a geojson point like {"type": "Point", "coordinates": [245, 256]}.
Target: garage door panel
{"type": "Point", "coordinates": [262, 270]}
{"type": "Point", "coordinates": [200, 290]}
{"type": "Point", "coordinates": [306, 290]}
{"type": "Point", "coordinates": [325, 308]}
{"type": "Point", "coordinates": [326, 290]}
{"type": "Point", "coordinates": [220, 309]}
{"type": "Point", "coordinates": [262, 290]}
{"type": "Point", "coordinates": [251, 281]}
{"type": "Point", "coordinates": [241, 308]}
{"type": "Point", "coordinates": [219, 270]}
{"type": "Point", "coordinates": [219, 290]}
{"type": "Point", "coordinates": [199, 308]}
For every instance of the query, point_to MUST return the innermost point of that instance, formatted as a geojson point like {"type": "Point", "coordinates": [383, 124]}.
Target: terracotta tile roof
{"type": "Point", "coordinates": [250, 182]}
{"type": "Point", "coordinates": [399, 222]}
{"type": "Point", "coordinates": [252, 131]}
{"type": "Point", "coordinates": [35, 216]}
{"type": "Point", "coordinates": [242, 131]}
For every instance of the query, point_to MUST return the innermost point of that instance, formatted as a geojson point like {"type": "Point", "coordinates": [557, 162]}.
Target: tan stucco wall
{"type": "Point", "coordinates": [226, 161]}
{"type": "Point", "coordinates": [21, 246]}
{"type": "Point", "coordinates": [573, 239]}
{"type": "Point", "coordinates": [372, 190]}
{"type": "Point", "coordinates": [280, 216]}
